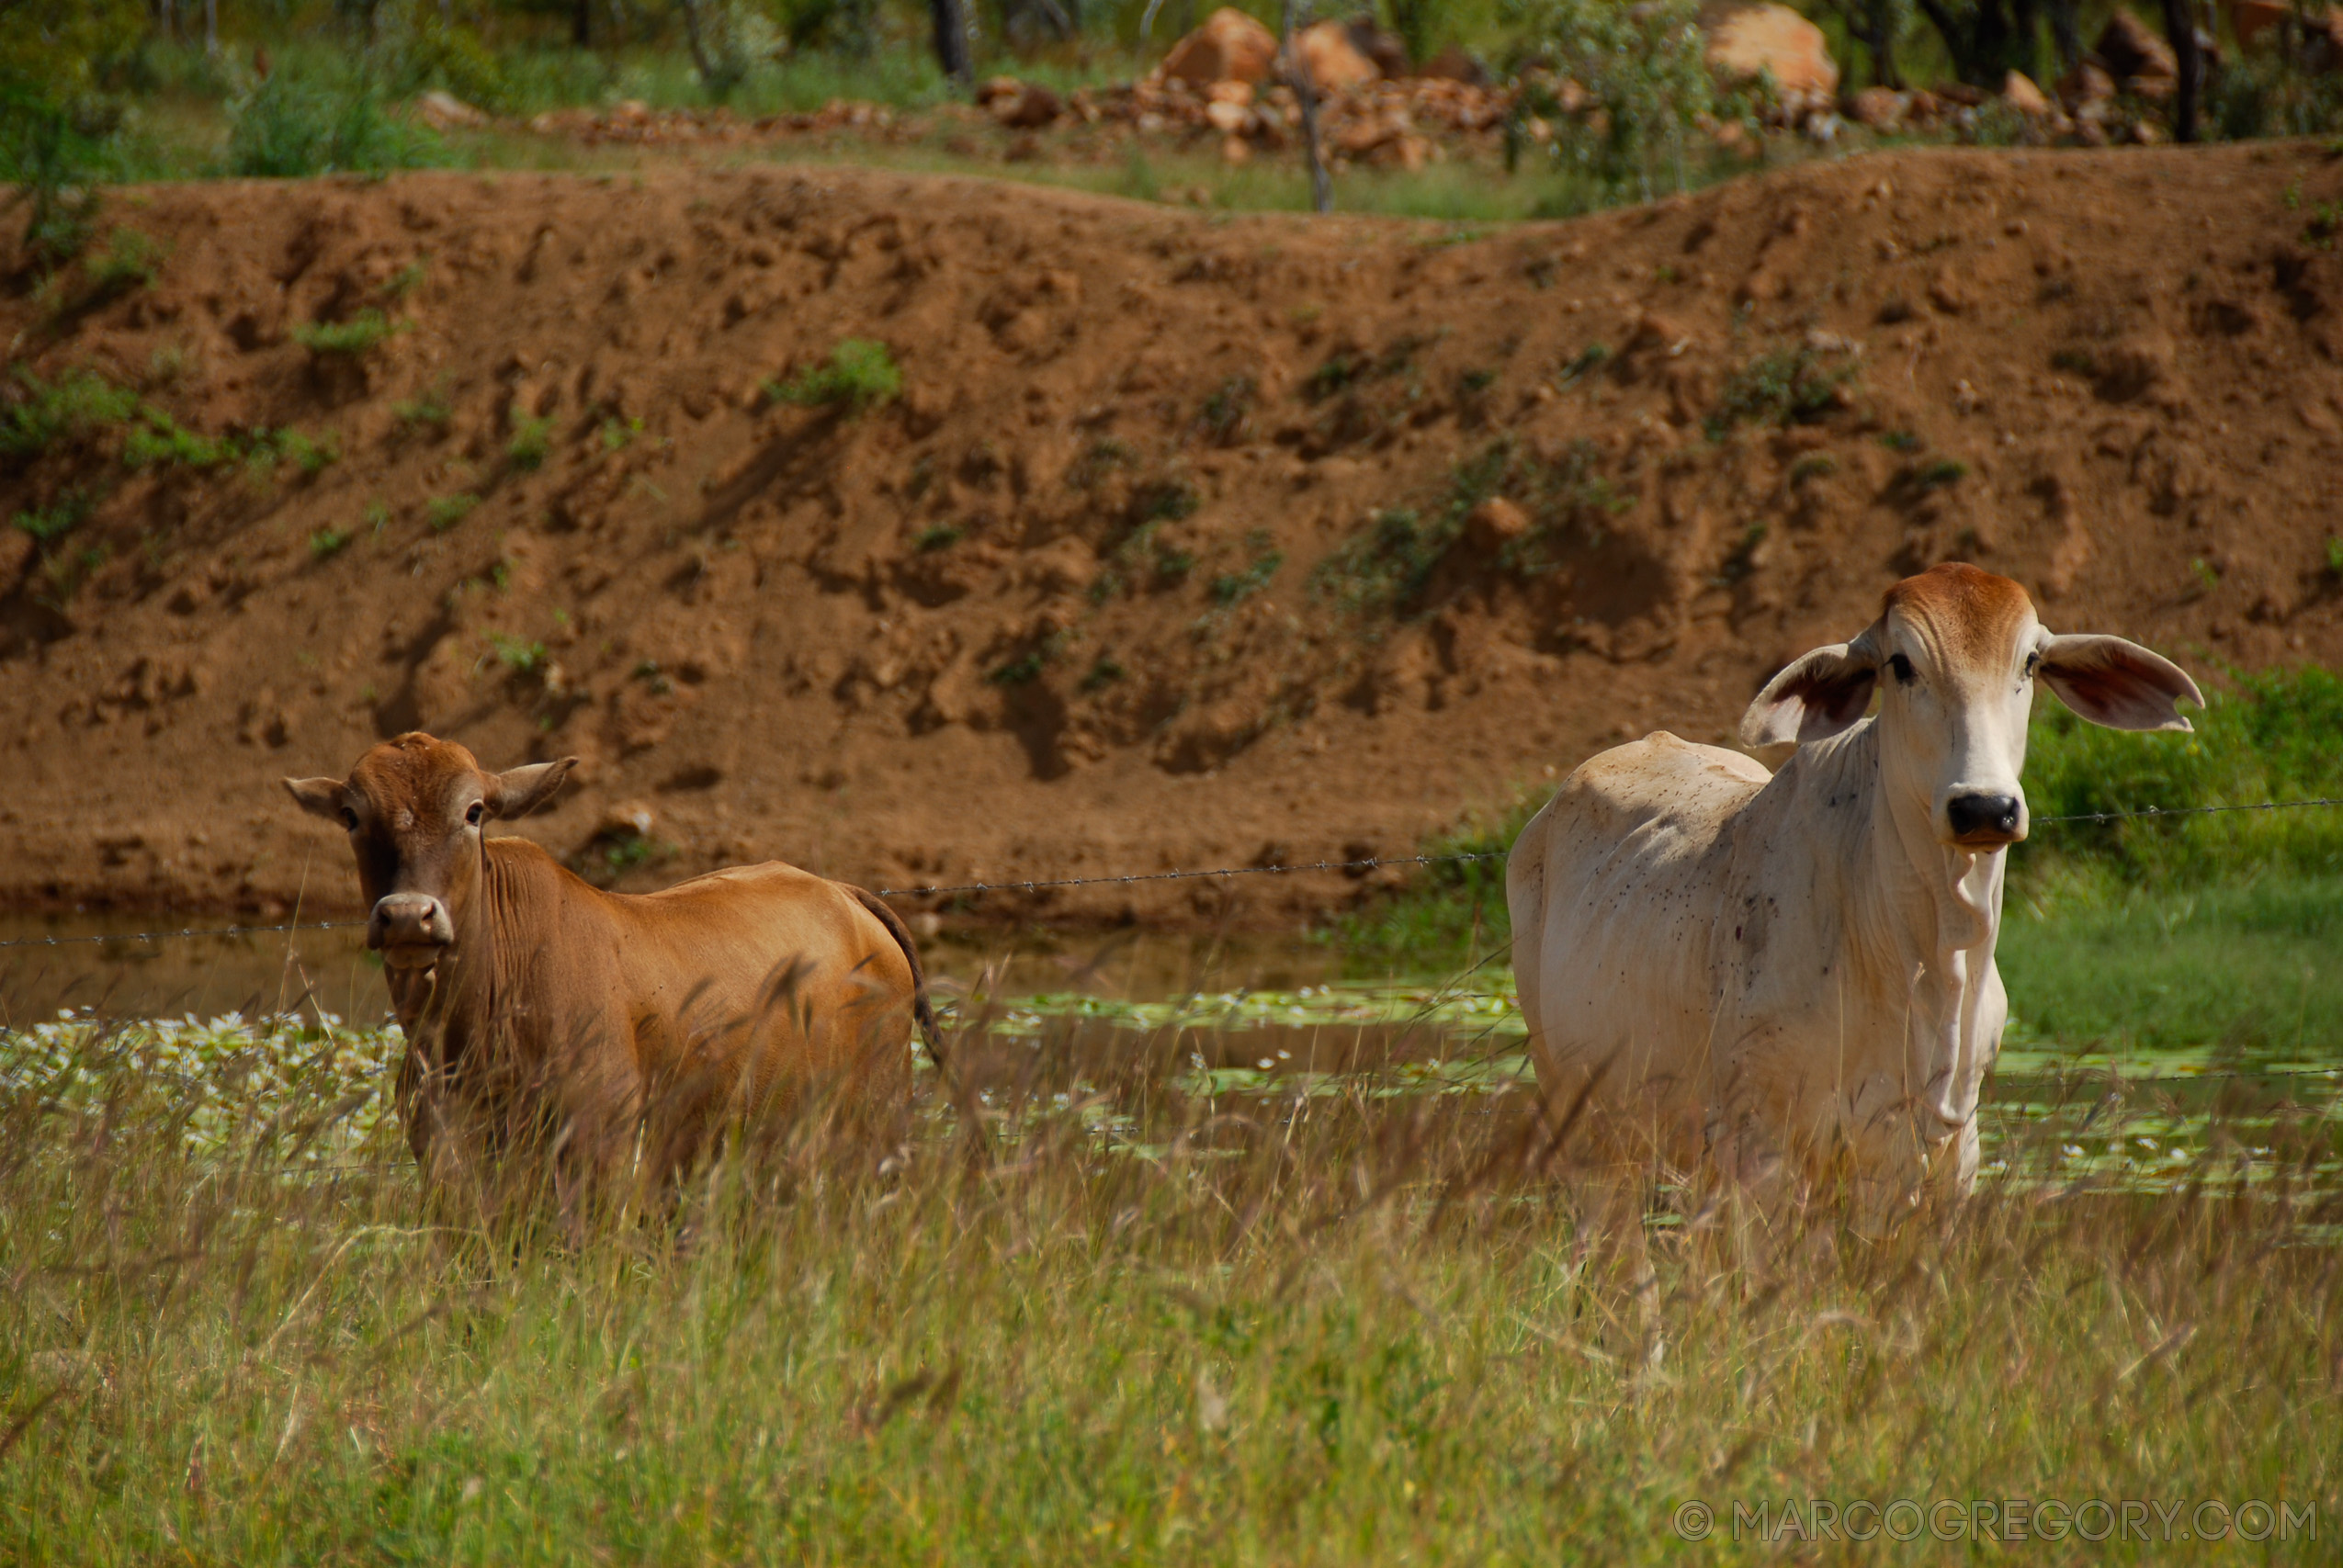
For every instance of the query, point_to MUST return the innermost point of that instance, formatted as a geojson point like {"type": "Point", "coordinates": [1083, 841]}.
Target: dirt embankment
{"type": "Point", "coordinates": [1182, 544]}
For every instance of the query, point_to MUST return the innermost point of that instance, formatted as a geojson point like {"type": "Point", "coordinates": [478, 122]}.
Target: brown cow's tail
{"type": "Point", "coordinates": [922, 1009]}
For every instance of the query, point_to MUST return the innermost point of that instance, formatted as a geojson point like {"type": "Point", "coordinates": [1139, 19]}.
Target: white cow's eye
{"type": "Point", "coordinates": [1904, 675]}
{"type": "Point", "coordinates": [2033, 662]}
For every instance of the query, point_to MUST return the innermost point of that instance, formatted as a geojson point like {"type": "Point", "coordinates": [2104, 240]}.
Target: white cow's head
{"type": "Point", "coordinates": [1962, 648]}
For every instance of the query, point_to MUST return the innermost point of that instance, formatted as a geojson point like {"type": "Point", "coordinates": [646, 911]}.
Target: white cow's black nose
{"type": "Point", "coordinates": [1983, 816]}
{"type": "Point", "coordinates": [409, 926]}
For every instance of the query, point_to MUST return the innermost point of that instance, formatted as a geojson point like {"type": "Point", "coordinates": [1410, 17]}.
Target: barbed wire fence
{"type": "Point", "coordinates": [1360, 867]}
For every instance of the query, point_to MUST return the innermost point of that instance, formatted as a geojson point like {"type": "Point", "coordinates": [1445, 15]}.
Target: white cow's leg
{"type": "Point", "coordinates": [1614, 1252]}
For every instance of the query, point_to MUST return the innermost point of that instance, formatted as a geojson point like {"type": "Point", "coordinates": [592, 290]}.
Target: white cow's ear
{"type": "Point", "coordinates": [319, 797]}
{"type": "Point", "coordinates": [2118, 684]}
{"type": "Point", "coordinates": [516, 792]}
{"type": "Point", "coordinates": [1817, 696]}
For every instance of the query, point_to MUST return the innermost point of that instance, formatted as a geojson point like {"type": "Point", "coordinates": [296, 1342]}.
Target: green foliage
{"type": "Point", "coordinates": [432, 408]}
{"type": "Point", "coordinates": [1901, 441]}
{"type": "Point", "coordinates": [353, 337]}
{"type": "Point", "coordinates": [616, 434]}
{"type": "Point", "coordinates": [1100, 458]}
{"type": "Point", "coordinates": [309, 118]}
{"type": "Point", "coordinates": [1790, 385]}
{"type": "Point", "coordinates": [327, 543]}
{"type": "Point", "coordinates": [2274, 739]}
{"type": "Point", "coordinates": [1942, 471]}
{"type": "Point", "coordinates": [1104, 672]}
{"type": "Point", "coordinates": [78, 404]}
{"type": "Point", "coordinates": [1226, 410]}
{"type": "Point", "coordinates": [1384, 567]}
{"type": "Point", "coordinates": [860, 376]}
{"type": "Point", "coordinates": [532, 438]}
{"type": "Point", "coordinates": [942, 536]}
{"type": "Point", "coordinates": [1027, 666]}
{"type": "Point", "coordinates": [445, 512]}
{"type": "Point", "coordinates": [59, 517]}
{"type": "Point", "coordinates": [131, 261]}
{"type": "Point", "coordinates": [1641, 65]}
{"type": "Point", "coordinates": [55, 152]}
{"type": "Point", "coordinates": [1165, 500]}
{"type": "Point", "coordinates": [2265, 92]}
{"type": "Point", "coordinates": [1233, 588]}
{"type": "Point", "coordinates": [515, 654]}
{"type": "Point", "coordinates": [1589, 358]}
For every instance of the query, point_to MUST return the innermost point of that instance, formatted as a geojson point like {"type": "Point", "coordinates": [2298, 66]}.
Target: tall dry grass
{"type": "Point", "coordinates": [1088, 1316]}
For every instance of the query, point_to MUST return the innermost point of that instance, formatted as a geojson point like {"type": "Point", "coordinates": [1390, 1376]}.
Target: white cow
{"type": "Point", "coordinates": [1769, 977]}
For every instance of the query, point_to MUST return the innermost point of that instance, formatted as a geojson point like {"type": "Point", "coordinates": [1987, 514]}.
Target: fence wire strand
{"type": "Point", "coordinates": [1042, 884]}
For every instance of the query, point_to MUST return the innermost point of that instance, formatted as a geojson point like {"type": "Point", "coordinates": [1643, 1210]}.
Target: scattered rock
{"type": "Point", "coordinates": [2251, 19]}
{"type": "Point", "coordinates": [2017, 91]}
{"type": "Point", "coordinates": [1453, 64]}
{"type": "Point", "coordinates": [2131, 48]}
{"type": "Point", "coordinates": [444, 111]}
{"type": "Point", "coordinates": [1495, 524]}
{"type": "Point", "coordinates": [1229, 47]}
{"type": "Point", "coordinates": [1748, 41]}
{"type": "Point", "coordinates": [1227, 118]}
{"type": "Point", "coordinates": [1333, 62]}
{"type": "Point", "coordinates": [1882, 109]}
{"type": "Point", "coordinates": [2086, 83]}
{"type": "Point", "coordinates": [1020, 105]}
{"type": "Point", "coordinates": [1388, 51]}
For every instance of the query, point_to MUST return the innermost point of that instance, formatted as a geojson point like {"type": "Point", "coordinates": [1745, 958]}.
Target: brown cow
{"type": "Point", "coordinates": [626, 1030]}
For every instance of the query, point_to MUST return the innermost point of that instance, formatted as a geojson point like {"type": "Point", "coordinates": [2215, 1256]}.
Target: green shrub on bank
{"type": "Point", "coordinates": [308, 119]}
{"type": "Point", "coordinates": [2275, 738]}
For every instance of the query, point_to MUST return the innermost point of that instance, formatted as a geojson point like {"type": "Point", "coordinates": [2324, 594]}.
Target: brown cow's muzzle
{"type": "Point", "coordinates": [410, 930]}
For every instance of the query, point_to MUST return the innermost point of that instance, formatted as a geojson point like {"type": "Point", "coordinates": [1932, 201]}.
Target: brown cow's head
{"type": "Point", "coordinates": [413, 808]}
{"type": "Point", "coordinates": [1961, 648]}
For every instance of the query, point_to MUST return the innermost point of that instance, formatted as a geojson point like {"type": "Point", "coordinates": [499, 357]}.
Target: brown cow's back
{"type": "Point", "coordinates": [747, 991]}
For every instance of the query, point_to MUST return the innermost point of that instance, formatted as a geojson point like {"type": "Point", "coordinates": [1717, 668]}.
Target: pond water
{"type": "Point", "coordinates": [1267, 1024]}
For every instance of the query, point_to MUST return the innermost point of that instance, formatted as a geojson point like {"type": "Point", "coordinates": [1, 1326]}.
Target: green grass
{"type": "Point", "coordinates": [518, 655]}
{"type": "Point", "coordinates": [355, 337]}
{"type": "Point", "coordinates": [532, 438]}
{"type": "Point", "coordinates": [2236, 967]}
{"type": "Point", "coordinates": [77, 404]}
{"type": "Point", "coordinates": [1154, 1319]}
{"type": "Point", "coordinates": [860, 376]}
{"type": "Point", "coordinates": [327, 543]}
{"type": "Point", "coordinates": [445, 512]}
{"type": "Point", "coordinates": [2271, 739]}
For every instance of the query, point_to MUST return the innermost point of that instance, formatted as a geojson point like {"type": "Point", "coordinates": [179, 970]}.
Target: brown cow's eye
{"type": "Point", "coordinates": [1903, 668]}
{"type": "Point", "coordinates": [349, 819]}
{"type": "Point", "coordinates": [473, 813]}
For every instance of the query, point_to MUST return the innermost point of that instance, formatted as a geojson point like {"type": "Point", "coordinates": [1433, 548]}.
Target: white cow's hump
{"type": "Point", "coordinates": [1659, 777]}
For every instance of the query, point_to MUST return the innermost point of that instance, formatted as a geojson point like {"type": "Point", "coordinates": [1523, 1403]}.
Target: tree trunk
{"type": "Point", "coordinates": [2180, 29]}
{"type": "Point", "coordinates": [2065, 34]}
{"type": "Point", "coordinates": [1881, 39]}
{"type": "Point", "coordinates": [581, 24]}
{"type": "Point", "coordinates": [1297, 76]}
{"type": "Point", "coordinates": [691, 35]}
{"type": "Point", "coordinates": [952, 41]}
{"type": "Point", "coordinates": [212, 27]}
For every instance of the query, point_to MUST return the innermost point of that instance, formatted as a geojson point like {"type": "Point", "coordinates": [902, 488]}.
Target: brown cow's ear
{"type": "Point", "coordinates": [2118, 684]}
{"type": "Point", "coordinates": [320, 798]}
{"type": "Point", "coordinates": [1820, 695]}
{"type": "Point", "coordinates": [516, 792]}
